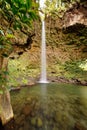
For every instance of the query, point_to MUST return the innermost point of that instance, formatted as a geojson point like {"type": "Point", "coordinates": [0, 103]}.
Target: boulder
{"type": "Point", "coordinates": [6, 112]}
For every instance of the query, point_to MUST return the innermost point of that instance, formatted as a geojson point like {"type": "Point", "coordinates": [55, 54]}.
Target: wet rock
{"type": "Point", "coordinates": [65, 80]}
{"type": "Point", "coordinates": [20, 120]}
{"type": "Point", "coordinates": [15, 89]}
{"type": "Point", "coordinates": [26, 126]}
{"type": "Point", "coordinates": [39, 122]}
{"type": "Point", "coordinates": [31, 83]}
{"type": "Point", "coordinates": [27, 110]}
{"type": "Point", "coordinates": [53, 72]}
{"type": "Point", "coordinates": [58, 117]}
{"type": "Point", "coordinates": [84, 83]}
{"type": "Point", "coordinates": [79, 126]}
{"type": "Point", "coordinates": [55, 128]}
{"type": "Point", "coordinates": [29, 99]}
{"type": "Point", "coordinates": [21, 128]}
{"type": "Point", "coordinates": [1, 126]}
{"type": "Point", "coordinates": [10, 125]}
{"type": "Point", "coordinates": [36, 121]}
{"type": "Point", "coordinates": [32, 114]}
{"type": "Point", "coordinates": [33, 121]}
{"type": "Point", "coordinates": [6, 112]}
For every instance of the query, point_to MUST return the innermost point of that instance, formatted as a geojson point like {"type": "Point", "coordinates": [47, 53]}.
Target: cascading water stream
{"type": "Point", "coordinates": [43, 78]}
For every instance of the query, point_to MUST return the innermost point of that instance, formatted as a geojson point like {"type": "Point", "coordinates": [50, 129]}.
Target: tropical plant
{"type": "Point", "coordinates": [18, 14]}
{"type": "Point", "coordinates": [58, 7]}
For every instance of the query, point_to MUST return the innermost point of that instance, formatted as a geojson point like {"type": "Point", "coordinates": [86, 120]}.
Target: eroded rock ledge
{"type": "Point", "coordinates": [76, 14]}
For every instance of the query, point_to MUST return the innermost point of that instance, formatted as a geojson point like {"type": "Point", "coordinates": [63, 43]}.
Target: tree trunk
{"type": "Point", "coordinates": [6, 112]}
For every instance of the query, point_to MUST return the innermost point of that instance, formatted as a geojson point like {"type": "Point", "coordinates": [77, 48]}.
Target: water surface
{"type": "Point", "coordinates": [50, 106]}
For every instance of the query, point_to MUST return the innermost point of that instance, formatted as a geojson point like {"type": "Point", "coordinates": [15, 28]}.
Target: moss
{"type": "Point", "coordinates": [73, 69]}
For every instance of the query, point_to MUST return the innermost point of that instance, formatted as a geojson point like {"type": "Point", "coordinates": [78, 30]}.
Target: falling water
{"type": "Point", "coordinates": [43, 78]}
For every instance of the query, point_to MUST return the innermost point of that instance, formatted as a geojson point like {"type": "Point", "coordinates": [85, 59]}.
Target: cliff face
{"type": "Point", "coordinates": [66, 42]}
{"type": "Point", "coordinates": [77, 14]}
{"type": "Point", "coordinates": [66, 50]}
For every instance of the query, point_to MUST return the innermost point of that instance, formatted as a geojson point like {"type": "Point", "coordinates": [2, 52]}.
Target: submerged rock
{"type": "Point", "coordinates": [36, 121]}
{"type": "Point", "coordinates": [20, 120]}
{"type": "Point", "coordinates": [33, 121]}
{"type": "Point", "coordinates": [39, 122]}
{"type": "Point", "coordinates": [27, 110]}
{"type": "Point", "coordinates": [79, 126]}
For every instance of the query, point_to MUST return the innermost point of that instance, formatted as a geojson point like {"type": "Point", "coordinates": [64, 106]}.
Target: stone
{"type": "Point", "coordinates": [27, 110]}
{"type": "Point", "coordinates": [21, 128]}
{"type": "Point", "coordinates": [6, 112]}
{"type": "Point", "coordinates": [26, 126]}
{"type": "Point", "coordinates": [58, 117]}
{"type": "Point", "coordinates": [33, 121]}
{"type": "Point", "coordinates": [20, 120]}
{"type": "Point", "coordinates": [39, 122]}
{"type": "Point", "coordinates": [79, 126]}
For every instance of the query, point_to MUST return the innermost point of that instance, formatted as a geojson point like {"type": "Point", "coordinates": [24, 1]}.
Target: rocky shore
{"type": "Point", "coordinates": [65, 80]}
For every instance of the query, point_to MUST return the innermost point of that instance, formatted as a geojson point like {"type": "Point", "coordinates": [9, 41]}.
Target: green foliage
{"type": "Point", "coordinates": [5, 45]}
{"type": "Point", "coordinates": [55, 7]}
{"type": "Point", "coordinates": [3, 80]}
{"type": "Point", "coordinates": [9, 36]}
{"type": "Point", "coordinates": [3, 74]}
{"type": "Point", "coordinates": [1, 92]}
{"type": "Point", "coordinates": [83, 65]}
{"type": "Point", "coordinates": [5, 50]}
{"type": "Point", "coordinates": [19, 72]}
{"type": "Point", "coordinates": [74, 69]}
{"type": "Point", "coordinates": [24, 81]}
{"type": "Point", "coordinates": [58, 7]}
{"type": "Point", "coordinates": [76, 35]}
{"type": "Point", "coordinates": [18, 12]}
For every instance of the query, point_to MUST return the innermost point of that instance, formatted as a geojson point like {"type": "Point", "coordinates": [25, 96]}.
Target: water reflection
{"type": "Point", "coordinates": [44, 89]}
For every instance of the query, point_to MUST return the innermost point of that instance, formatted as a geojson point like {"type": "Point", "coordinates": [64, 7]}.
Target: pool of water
{"type": "Point", "coordinates": [50, 106]}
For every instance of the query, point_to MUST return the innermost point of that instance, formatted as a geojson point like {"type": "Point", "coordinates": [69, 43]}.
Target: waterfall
{"type": "Point", "coordinates": [43, 78]}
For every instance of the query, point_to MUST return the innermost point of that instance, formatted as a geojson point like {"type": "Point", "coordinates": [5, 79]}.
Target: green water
{"type": "Point", "coordinates": [50, 106]}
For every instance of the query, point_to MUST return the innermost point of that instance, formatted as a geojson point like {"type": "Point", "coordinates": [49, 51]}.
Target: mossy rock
{"type": "Point", "coordinates": [39, 122]}
{"type": "Point", "coordinates": [33, 121]}
{"type": "Point", "coordinates": [36, 121]}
